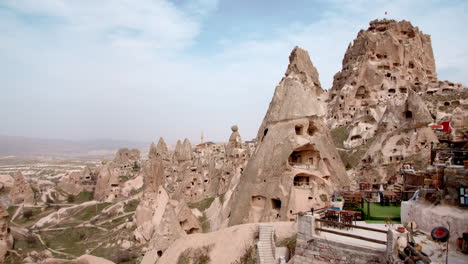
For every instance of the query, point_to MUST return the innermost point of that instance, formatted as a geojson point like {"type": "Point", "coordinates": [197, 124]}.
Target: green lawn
{"type": "Point", "coordinates": [380, 213]}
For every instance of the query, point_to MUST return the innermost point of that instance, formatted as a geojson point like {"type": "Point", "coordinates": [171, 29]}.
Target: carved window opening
{"type": "Point", "coordinates": [301, 180]}
{"type": "Point", "coordinates": [276, 204]}
{"type": "Point", "coordinates": [298, 129]}
{"type": "Point", "coordinates": [408, 114]}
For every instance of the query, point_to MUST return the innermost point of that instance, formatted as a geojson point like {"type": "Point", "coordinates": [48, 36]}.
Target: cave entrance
{"type": "Point", "coordinates": [305, 157]}
{"type": "Point", "coordinates": [301, 180]}
{"type": "Point", "coordinates": [299, 130]}
{"type": "Point", "coordinates": [408, 114]}
{"type": "Point", "coordinates": [276, 204]}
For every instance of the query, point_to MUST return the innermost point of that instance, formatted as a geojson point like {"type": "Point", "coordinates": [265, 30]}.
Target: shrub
{"type": "Point", "coordinates": [27, 213]}
{"type": "Point", "coordinates": [70, 198]}
{"type": "Point", "coordinates": [195, 256]}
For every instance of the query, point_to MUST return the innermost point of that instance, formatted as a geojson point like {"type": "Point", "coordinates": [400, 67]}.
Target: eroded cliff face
{"type": "Point", "coordinates": [296, 166]}
{"type": "Point", "coordinates": [6, 238]}
{"type": "Point", "coordinates": [388, 68]}
{"type": "Point", "coordinates": [384, 62]}
{"type": "Point", "coordinates": [21, 193]}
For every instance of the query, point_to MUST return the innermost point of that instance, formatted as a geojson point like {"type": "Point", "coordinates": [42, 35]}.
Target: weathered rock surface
{"type": "Point", "coordinates": [21, 193]}
{"type": "Point", "coordinates": [183, 151]}
{"type": "Point", "coordinates": [6, 239]}
{"type": "Point", "coordinates": [296, 166]}
{"type": "Point", "coordinates": [160, 151]}
{"type": "Point", "coordinates": [125, 156]}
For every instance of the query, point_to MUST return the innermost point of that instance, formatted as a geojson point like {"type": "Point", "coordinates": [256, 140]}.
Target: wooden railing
{"type": "Point", "coordinates": [351, 235]}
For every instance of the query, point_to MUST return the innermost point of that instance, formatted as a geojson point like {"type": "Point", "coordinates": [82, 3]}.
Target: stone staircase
{"type": "Point", "coordinates": [266, 245]}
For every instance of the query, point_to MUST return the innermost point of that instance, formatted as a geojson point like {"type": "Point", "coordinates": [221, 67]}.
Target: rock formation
{"type": "Point", "coordinates": [21, 191]}
{"type": "Point", "coordinates": [125, 156]}
{"type": "Point", "coordinates": [71, 183]}
{"type": "Point", "coordinates": [387, 66]}
{"type": "Point", "coordinates": [295, 166]}
{"type": "Point", "coordinates": [160, 151]}
{"type": "Point", "coordinates": [6, 239]}
{"type": "Point", "coordinates": [183, 151]}
{"type": "Point", "coordinates": [403, 132]}
{"type": "Point", "coordinates": [385, 61]}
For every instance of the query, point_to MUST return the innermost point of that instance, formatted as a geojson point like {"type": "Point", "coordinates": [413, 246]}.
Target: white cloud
{"type": "Point", "coordinates": [120, 69]}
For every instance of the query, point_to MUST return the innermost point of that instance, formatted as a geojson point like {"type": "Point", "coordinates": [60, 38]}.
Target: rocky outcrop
{"type": "Point", "coordinates": [183, 151]}
{"type": "Point", "coordinates": [71, 183]}
{"type": "Point", "coordinates": [403, 132]}
{"type": "Point", "coordinates": [153, 172]}
{"type": "Point", "coordinates": [383, 63]}
{"type": "Point", "coordinates": [126, 156]}
{"type": "Point", "coordinates": [21, 191]}
{"type": "Point", "coordinates": [160, 151]}
{"type": "Point", "coordinates": [6, 239]}
{"type": "Point", "coordinates": [296, 166]}
{"type": "Point", "coordinates": [107, 183]}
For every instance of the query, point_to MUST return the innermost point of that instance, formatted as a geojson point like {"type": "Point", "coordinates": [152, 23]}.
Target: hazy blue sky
{"type": "Point", "coordinates": [140, 69]}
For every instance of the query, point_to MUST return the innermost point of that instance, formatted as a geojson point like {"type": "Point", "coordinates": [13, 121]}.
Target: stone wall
{"type": "Point", "coordinates": [428, 216]}
{"type": "Point", "coordinates": [321, 251]}
{"type": "Point", "coordinates": [311, 249]}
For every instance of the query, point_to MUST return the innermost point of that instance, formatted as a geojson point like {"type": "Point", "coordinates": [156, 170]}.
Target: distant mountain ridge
{"type": "Point", "coordinates": [28, 146]}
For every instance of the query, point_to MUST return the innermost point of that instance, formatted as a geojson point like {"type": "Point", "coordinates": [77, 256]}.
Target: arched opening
{"type": "Point", "coordinates": [159, 253]}
{"type": "Point", "coordinates": [411, 65]}
{"type": "Point", "coordinates": [362, 93]}
{"type": "Point", "coordinates": [388, 74]}
{"type": "Point", "coordinates": [446, 103]}
{"type": "Point", "coordinates": [305, 157]}
{"type": "Point", "coordinates": [403, 90]}
{"type": "Point", "coordinates": [302, 180]}
{"type": "Point", "coordinates": [391, 90]}
{"type": "Point", "coordinates": [258, 201]}
{"type": "Point", "coordinates": [355, 137]}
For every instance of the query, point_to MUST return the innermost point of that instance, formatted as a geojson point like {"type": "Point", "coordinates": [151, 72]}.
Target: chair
{"type": "Point", "coordinates": [346, 218]}
{"type": "Point", "coordinates": [332, 216]}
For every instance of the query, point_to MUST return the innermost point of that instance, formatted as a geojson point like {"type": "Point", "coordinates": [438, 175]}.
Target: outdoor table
{"type": "Point", "coordinates": [353, 213]}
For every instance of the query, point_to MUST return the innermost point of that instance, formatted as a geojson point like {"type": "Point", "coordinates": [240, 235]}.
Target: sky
{"type": "Point", "coordinates": [141, 69]}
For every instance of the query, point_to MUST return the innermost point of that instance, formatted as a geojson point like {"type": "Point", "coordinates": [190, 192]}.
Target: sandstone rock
{"type": "Point", "coordinates": [160, 151]}
{"type": "Point", "coordinates": [71, 183]}
{"type": "Point", "coordinates": [6, 239]}
{"type": "Point", "coordinates": [183, 151]}
{"type": "Point", "coordinates": [107, 183]}
{"type": "Point", "coordinates": [402, 132]}
{"type": "Point", "coordinates": [125, 156]}
{"type": "Point", "coordinates": [6, 181]}
{"type": "Point", "coordinates": [21, 191]}
{"type": "Point", "coordinates": [296, 166]}
{"type": "Point", "coordinates": [187, 220]}
{"type": "Point", "coordinates": [384, 62]}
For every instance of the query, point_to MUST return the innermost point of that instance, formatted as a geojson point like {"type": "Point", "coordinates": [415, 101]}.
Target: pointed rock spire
{"type": "Point", "coordinates": [294, 149]}
{"type": "Point", "coordinates": [297, 95]}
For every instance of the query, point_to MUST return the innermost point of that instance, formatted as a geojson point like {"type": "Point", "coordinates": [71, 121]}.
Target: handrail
{"type": "Point", "coordinates": [353, 236]}
{"type": "Point", "coordinates": [355, 226]}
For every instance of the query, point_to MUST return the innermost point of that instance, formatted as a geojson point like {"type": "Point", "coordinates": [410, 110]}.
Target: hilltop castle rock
{"type": "Point", "coordinates": [388, 84]}
{"type": "Point", "coordinates": [295, 166]}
